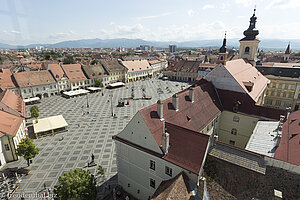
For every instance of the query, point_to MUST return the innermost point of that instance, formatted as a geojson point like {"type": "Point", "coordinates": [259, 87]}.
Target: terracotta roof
{"type": "Point", "coordinates": [95, 71]}
{"type": "Point", "coordinates": [112, 65]}
{"type": "Point", "coordinates": [194, 116]}
{"type": "Point", "coordinates": [153, 62]}
{"type": "Point", "coordinates": [35, 66]}
{"type": "Point", "coordinates": [74, 72]}
{"type": "Point", "coordinates": [291, 72]}
{"type": "Point", "coordinates": [289, 147]}
{"type": "Point", "coordinates": [9, 124]}
{"type": "Point", "coordinates": [247, 105]}
{"type": "Point", "coordinates": [57, 71]}
{"type": "Point", "coordinates": [12, 103]}
{"type": "Point", "coordinates": [6, 79]}
{"type": "Point", "coordinates": [33, 78]}
{"type": "Point", "coordinates": [174, 188]}
{"type": "Point", "coordinates": [188, 66]}
{"type": "Point", "coordinates": [187, 147]}
{"type": "Point", "coordinates": [137, 65]}
{"type": "Point", "coordinates": [244, 72]}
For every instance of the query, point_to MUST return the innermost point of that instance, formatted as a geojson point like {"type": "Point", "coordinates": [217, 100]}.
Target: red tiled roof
{"type": "Point", "coordinates": [289, 147]}
{"type": "Point", "coordinates": [12, 103]}
{"type": "Point", "coordinates": [56, 71]}
{"type": "Point", "coordinates": [35, 66]}
{"type": "Point", "coordinates": [194, 116]}
{"type": "Point", "coordinates": [188, 66]}
{"type": "Point", "coordinates": [6, 79]}
{"type": "Point", "coordinates": [74, 72]}
{"type": "Point", "coordinates": [33, 78]}
{"type": "Point", "coordinates": [187, 147]}
{"type": "Point", "coordinates": [247, 105]}
{"type": "Point", "coordinates": [9, 124]}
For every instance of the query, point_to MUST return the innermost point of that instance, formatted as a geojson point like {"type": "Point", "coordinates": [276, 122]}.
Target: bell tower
{"type": "Point", "coordinates": [249, 44]}
{"type": "Point", "coordinates": [287, 53]}
{"type": "Point", "coordinates": [222, 52]}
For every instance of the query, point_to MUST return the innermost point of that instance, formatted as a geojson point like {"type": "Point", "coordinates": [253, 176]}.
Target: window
{"type": "Point", "coordinates": [269, 101]}
{"type": "Point", "coordinates": [267, 92]}
{"type": "Point", "coordinates": [274, 85]}
{"type": "Point", "coordinates": [168, 171]}
{"type": "Point", "coordinates": [299, 96]}
{"type": "Point", "coordinates": [277, 103]}
{"type": "Point", "coordinates": [44, 88]}
{"type": "Point", "coordinates": [24, 91]}
{"type": "Point", "coordinates": [290, 95]}
{"type": "Point", "coordinates": [221, 57]}
{"type": "Point", "coordinates": [232, 142]}
{"type": "Point", "coordinates": [278, 94]}
{"type": "Point", "coordinates": [287, 104]}
{"type": "Point", "coordinates": [29, 90]}
{"type": "Point", "coordinates": [6, 147]}
{"type": "Point", "coordinates": [292, 87]}
{"type": "Point", "coordinates": [247, 50]}
{"type": "Point", "coordinates": [280, 86]}
{"type": "Point", "coordinates": [272, 93]}
{"type": "Point", "coordinates": [286, 86]}
{"type": "Point", "coordinates": [284, 94]}
{"type": "Point", "coordinates": [236, 119]}
{"type": "Point", "coordinates": [152, 183]}
{"type": "Point", "coordinates": [233, 131]}
{"type": "Point", "coordinates": [54, 86]}
{"type": "Point", "coordinates": [152, 164]}
{"type": "Point", "coordinates": [37, 89]}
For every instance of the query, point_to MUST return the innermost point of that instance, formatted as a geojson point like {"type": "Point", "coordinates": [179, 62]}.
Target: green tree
{"type": "Point", "coordinates": [34, 111]}
{"type": "Point", "coordinates": [69, 60]}
{"type": "Point", "coordinates": [98, 83]}
{"type": "Point", "coordinates": [27, 149]}
{"type": "Point", "coordinates": [94, 62]}
{"type": "Point", "coordinates": [100, 171]}
{"type": "Point", "coordinates": [77, 184]}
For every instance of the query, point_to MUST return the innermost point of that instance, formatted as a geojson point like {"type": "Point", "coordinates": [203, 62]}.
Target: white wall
{"type": "Point", "coordinates": [2, 157]}
{"type": "Point", "coordinates": [33, 91]}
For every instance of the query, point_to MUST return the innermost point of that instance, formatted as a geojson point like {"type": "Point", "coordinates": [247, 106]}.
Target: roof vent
{"type": "Point", "coordinates": [188, 118]}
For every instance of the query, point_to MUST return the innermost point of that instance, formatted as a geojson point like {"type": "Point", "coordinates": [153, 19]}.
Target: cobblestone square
{"type": "Point", "coordinates": [90, 131]}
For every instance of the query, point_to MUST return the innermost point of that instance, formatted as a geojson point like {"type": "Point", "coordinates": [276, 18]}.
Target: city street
{"type": "Point", "coordinates": [91, 127]}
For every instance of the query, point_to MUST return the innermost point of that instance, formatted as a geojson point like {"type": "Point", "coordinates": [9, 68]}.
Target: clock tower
{"type": "Point", "coordinates": [222, 52]}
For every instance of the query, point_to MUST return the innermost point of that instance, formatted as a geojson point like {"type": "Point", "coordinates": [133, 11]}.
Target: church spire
{"type": "Point", "coordinates": [251, 32]}
{"type": "Point", "coordinates": [288, 49]}
{"type": "Point", "coordinates": [223, 48]}
{"type": "Point", "coordinates": [222, 52]}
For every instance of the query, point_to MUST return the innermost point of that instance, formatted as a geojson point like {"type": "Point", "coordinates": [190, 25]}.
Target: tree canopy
{"type": "Point", "coordinates": [77, 184]}
{"type": "Point", "coordinates": [69, 60]}
{"type": "Point", "coordinates": [34, 111]}
{"type": "Point", "coordinates": [98, 83]}
{"type": "Point", "coordinates": [94, 62]}
{"type": "Point", "coordinates": [27, 149]}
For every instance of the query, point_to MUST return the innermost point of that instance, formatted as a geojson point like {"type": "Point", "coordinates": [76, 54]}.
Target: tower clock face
{"type": "Point", "coordinates": [251, 23]}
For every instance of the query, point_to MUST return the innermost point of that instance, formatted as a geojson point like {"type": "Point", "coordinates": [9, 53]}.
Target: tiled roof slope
{"type": "Point", "coordinates": [57, 71]}
{"type": "Point", "coordinates": [74, 72]}
{"type": "Point", "coordinates": [12, 103]}
{"type": "Point", "coordinates": [188, 66]}
{"type": "Point", "coordinates": [95, 71]}
{"type": "Point", "coordinates": [136, 65]}
{"type": "Point", "coordinates": [6, 79]}
{"type": "Point", "coordinates": [33, 78]}
{"type": "Point", "coordinates": [247, 105]}
{"type": "Point", "coordinates": [9, 124]}
{"type": "Point", "coordinates": [194, 116]}
{"type": "Point", "coordinates": [112, 65]}
{"type": "Point", "coordinates": [289, 147]}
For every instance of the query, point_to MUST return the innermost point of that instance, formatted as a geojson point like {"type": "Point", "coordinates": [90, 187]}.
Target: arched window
{"type": "Point", "coordinates": [221, 57]}
{"type": "Point", "coordinates": [233, 131]}
{"type": "Point", "coordinates": [247, 49]}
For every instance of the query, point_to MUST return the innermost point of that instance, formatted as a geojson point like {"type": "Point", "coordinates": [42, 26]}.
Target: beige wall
{"type": "Point", "coordinates": [244, 128]}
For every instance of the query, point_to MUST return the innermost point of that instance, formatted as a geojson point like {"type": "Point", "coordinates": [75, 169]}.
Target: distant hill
{"type": "Point", "coordinates": [132, 43]}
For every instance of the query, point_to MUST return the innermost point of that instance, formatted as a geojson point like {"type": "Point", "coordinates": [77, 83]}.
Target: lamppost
{"type": "Point", "coordinates": [111, 104]}
{"type": "Point", "coordinates": [87, 101]}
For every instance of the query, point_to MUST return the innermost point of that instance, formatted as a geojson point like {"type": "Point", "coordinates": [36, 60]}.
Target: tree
{"type": "Point", "coordinates": [27, 149]}
{"type": "Point", "coordinates": [69, 60]}
{"type": "Point", "coordinates": [77, 184]}
{"type": "Point", "coordinates": [34, 111]}
{"type": "Point", "coordinates": [98, 83]}
{"type": "Point", "coordinates": [100, 171]}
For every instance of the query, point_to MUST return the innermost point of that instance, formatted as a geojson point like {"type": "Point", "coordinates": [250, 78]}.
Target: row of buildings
{"type": "Point", "coordinates": [163, 151]}
{"type": "Point", "coordinates": [64, 77]}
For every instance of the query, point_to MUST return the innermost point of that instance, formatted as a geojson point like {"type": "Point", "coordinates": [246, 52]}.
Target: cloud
{"type": "Point", "coordinates": [245, 3]}
{"type": "Point", "coordinates": [154, 16]}
{"type": "Point", "coordinates": [208, 6]}
{"type": "Point", "coordinates": [15, 32]}
{"type": "Point", "coordinates": [191, 13]}
{"type": "Point", "coordinates": [283, 4]}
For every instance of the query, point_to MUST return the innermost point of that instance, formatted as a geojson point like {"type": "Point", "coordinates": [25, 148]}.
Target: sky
{"type": "Point", "coordinates": [51, 21]}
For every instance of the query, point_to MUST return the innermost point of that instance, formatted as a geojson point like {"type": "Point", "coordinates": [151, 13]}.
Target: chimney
{"type": "Point", "coordinates": [165, 140]}
{"type": "Point", "coordinates": [191, 94]}
{"type": "Point", "coordinates": [175, 101]}
{"type": "Point", "coordinates": [160, 109]}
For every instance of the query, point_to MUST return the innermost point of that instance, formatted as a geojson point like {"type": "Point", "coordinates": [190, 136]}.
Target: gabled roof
{"type": "Point", "coordinates": [289, 147]}
{"type": "Point", "coordinates": [194, 116]}
{"type": "Point", "coordinates": [74, 72]}
{"type": "Point", "coordinates": [9, 124]}
{"type": "Point", "coordinates": [57, 71]}
{"type": "Point", "coordinates": [95, 71]}
{"type": "Point", "coordinates": [243, 72]}
{"type": "Point", "coordinates": [35, 66]}
{"type": "Point", "coordinates": [112, 65]}
{"type": "Point", "coordinates": [6, 79]}
{"type": "Point", "coordinates": [174, 188]}
{"type": "Point", "coordinates": [33, 78]}
{"type": "Point", "coordinates": [12, 103]}
{"type": "Point", "coordinates": [188, 66]}
{"type": "Point", "coordinates": [137, 65]}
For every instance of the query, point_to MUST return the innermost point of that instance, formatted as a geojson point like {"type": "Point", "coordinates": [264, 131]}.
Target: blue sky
{"type": "Point", "coordinates": [50, 21]}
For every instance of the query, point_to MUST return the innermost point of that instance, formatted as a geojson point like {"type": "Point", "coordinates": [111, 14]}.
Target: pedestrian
{"type": "Point", "coordinates": [93, 157]}
{"type": "Point", "coordinates": [62, 137]}
{"type": "Point", "coordinates": [45, 186]}
{"type": "Point", "coordinates": [49, 190]}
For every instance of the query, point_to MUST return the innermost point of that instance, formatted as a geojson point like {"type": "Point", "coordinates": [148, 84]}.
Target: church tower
{"type": "Point", "coordinates": [286, 55]}
{"type": "Point", "coordinates": [222, 52]}
{"type": "Point", "coordinates": [249, 44]}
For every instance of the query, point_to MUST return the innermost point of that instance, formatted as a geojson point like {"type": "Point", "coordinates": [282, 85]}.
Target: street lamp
{"type": "Point", "coordinates": [87, 101]}
{"type": "Point", "coordinates": [111, 104]}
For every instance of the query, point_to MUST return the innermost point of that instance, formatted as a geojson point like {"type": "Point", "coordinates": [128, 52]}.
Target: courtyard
{"type": "Point", "coordinates": [91, 127]}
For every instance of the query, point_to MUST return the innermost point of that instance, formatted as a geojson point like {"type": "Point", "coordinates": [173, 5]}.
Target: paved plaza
{"type": "Point", "coordinates": [88, 133]}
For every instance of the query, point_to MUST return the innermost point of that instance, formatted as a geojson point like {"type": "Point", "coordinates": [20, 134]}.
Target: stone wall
{"type": "Point", "coordinates": [245, 184]}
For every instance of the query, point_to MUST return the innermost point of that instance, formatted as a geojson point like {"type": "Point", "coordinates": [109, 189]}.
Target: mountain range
{"type": "Point", "coordinates": [268, 44]}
